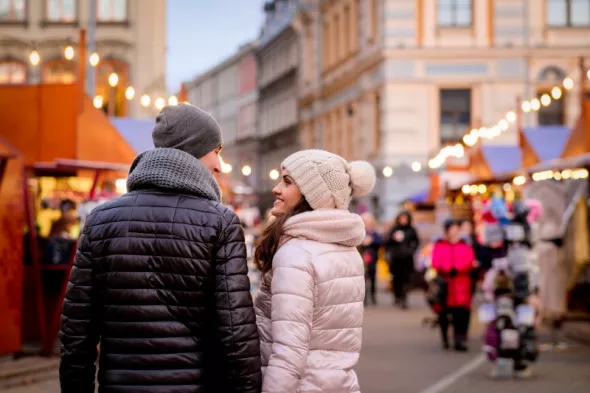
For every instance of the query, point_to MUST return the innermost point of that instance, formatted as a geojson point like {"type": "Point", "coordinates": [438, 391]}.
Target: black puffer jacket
{"type": "Point", "coordinates": [160, 279]}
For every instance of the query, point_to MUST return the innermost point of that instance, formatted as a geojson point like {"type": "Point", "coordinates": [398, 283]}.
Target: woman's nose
{"type": "Point", "coordinates": [276, 190]}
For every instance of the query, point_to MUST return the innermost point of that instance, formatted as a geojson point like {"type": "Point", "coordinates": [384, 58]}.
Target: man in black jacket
{"type": "Point", "coordinates": [160, 277]}
{"type": "Point", "coordinates": [402, 243]}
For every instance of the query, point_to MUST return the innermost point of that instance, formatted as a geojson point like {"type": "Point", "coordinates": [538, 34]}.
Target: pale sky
{"type": "Point", "coordinates": [201, 33]}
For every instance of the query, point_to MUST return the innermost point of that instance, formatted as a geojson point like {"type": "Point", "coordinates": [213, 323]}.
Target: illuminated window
{"type": "Point", "coordinates": [568, 13]}
{"type": "Point", "coordinates": [12, 10]}
{"type": "Point", "coordinates": [454, 13]}
{"type": "Point", "coordinates": [554, 113]}
{"type": "Point", "coordinates": [59, 71]}
{"type": "Point", "coordinates": [12, 72]}
{"type": "Point", "coordinates": [61, 10]}
{"type": "Point", "coordinates": [112, 10]}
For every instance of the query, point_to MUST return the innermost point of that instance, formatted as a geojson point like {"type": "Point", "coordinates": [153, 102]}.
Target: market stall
{"type": "Point", "coordinates": [57, 188]}
{"type": "Point", "coordinates": [12, 210]}
{"type": "Point", "coordinates": [73, 158]}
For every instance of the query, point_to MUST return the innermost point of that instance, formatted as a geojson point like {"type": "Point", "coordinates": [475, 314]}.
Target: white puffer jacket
{"type": "Point", "coordinates": [310, 306]}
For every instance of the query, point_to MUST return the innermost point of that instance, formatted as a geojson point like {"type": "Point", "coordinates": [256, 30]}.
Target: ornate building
{"type": "Point", "coordinates": [130, 41]}
{"type": "Point", "coordinates": [229, 92]}
{"type": "Point", "coordinates": [278, 75]}
{"type": "Point", "coordinates": [394, 80]}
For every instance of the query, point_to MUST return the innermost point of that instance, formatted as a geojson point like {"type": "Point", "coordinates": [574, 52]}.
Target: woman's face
{"type": "Point", "coordinates": [466, 228]}
{"type": "Point", "coordinates": [287, 195]}
{"type": "Point", "coordinates": [403, 220]}
{"type": "Point", "coordinates": [453, 232]}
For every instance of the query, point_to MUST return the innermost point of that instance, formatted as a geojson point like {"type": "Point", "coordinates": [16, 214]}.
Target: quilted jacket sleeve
{"type": "Point", "coordinates": [292, 301]}
{"type": "Point", "coordinates": [236, 319]}
{"type": "Point", "coordinates": [79, 334]}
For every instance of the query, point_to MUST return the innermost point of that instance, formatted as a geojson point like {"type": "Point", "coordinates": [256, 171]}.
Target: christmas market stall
{"type": "Point", "coordinates": [73, 159]}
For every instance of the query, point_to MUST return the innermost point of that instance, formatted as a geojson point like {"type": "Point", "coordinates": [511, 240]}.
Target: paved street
{"type": "Point", "coordinates": [399, 355]}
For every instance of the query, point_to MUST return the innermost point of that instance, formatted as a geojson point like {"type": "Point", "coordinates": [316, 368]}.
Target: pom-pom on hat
{"type": "Point", "coordinates": [328, 181]}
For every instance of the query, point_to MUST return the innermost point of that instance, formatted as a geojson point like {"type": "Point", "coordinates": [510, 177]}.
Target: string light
{"type": "Point", "coordinates": [511, 117]}
{"type": "Point", "coordinates": [246, 170]}
{"type": "Point", "coordinates": [160, 103]}
{"type": "Point", "coordinates": [565, 174]}
{"type": "Point", "coordinates": [113, 79]}
{"type": "Point", "coordinates": [416, 166]}
{"type": "Point", "coordinates": [556, 93]}
{"type": "Point", "coordinates": [34, 57]}
{"type": "Point", "coordinates": [526, 106]}
{"type": "Point", "coordinates": [69, 52]}
{"type": "Point", "coordinates": [130, 93]}
{"type": "Point", "coordinates": [94, 59]}
{"type": "Point", "coordinates": [145, 100]}
{"type": "Point", "coordinates": [98, 102]}
{"type": "Point", "coordinates": [504, 124]}
{"type": "Point", "coordinates": [274, 174]}
{"type": "Point", "coordinates": [475, 134]}
{"type": "Point", "coordinates": [226, 168]}
{"type": "Point", "coordinates": [388, 171]}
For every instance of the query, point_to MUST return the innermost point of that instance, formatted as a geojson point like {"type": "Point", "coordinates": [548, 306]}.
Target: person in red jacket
{"type": "Point", "coordinates": [453, 259]}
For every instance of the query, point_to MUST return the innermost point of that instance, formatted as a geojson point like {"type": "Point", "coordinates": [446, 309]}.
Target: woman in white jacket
{"type": "Point", "coordinates": [310, 305]}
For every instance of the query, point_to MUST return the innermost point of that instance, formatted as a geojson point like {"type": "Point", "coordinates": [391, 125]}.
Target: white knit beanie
{"type": "Point", "coordinates": [328, 181]}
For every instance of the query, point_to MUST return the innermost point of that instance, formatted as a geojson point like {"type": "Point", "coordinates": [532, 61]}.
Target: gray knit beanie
{"type": "Point", "coordinates": [187, 128]}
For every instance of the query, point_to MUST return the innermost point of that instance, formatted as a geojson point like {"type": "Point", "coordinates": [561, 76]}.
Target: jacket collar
{"type": "Point", "coordinates": [332, 226]}
{"type": "Point", "coordinates": [172, 170]}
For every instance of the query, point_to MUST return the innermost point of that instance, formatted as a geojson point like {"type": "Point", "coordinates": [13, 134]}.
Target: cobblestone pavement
{"type": "Point", "coordinates": [401, 356]}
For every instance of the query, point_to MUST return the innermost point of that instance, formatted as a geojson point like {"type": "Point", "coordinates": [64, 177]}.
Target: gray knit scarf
{"type": "Point", "coordinates": [172, 170]}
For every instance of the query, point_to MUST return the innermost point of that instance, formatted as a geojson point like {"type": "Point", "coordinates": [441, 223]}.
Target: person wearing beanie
{"type": "Point", "coordinates": [453, 259]}
{"type": "Point", "coordinates": [313, 276]}
{"type": "Point", "coordinates": [160, 277]}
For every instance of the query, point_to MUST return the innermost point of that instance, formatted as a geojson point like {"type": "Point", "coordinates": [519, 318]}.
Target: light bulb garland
{"type": "Point", "coordinates": [476, 134]}
{"type": "Point", "coordinates": [113, 80]}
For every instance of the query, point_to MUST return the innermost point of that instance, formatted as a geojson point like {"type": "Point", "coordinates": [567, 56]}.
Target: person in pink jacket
{"type": "Point", "coordinates": [453, 259]}
{"type": "Point", "coordinates": [309, 308]}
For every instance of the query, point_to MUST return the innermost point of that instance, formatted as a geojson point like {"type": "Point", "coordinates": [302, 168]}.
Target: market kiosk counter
{"type": "Point", "coordinates": [60, 190]}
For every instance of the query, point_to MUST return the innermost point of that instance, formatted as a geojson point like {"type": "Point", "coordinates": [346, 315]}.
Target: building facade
{"type": "Point", "coordinates": [278, 76]}
{"type": "Point", "coordinates": [229, 92]}
{"type": "Point", "coordinates": [39, 44]}
{"type": "Point", "coordinates": [394, 80]}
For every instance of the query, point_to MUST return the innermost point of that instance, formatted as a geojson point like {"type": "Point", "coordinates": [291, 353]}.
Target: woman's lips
{"type": "Point", "coordinates": [278, 202]}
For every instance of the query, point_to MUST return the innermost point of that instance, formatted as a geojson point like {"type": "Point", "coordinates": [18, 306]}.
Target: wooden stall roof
{"type": "Point", "coordinates": [6, 150]}
{"type": "Point", "coordinates": [47, 122]}
{"type": "Point", "coordinates": [579, 140]}
{"type": "Point", "coordinates": [493, 161]}
{"type": "Point", "coordinates": [99, 140]}
{"type": "Point", "coordinates": [580, 161]}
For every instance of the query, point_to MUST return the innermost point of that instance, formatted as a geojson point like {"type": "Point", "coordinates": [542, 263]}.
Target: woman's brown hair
{"type": "Point", "coordinates": [267, 245]}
